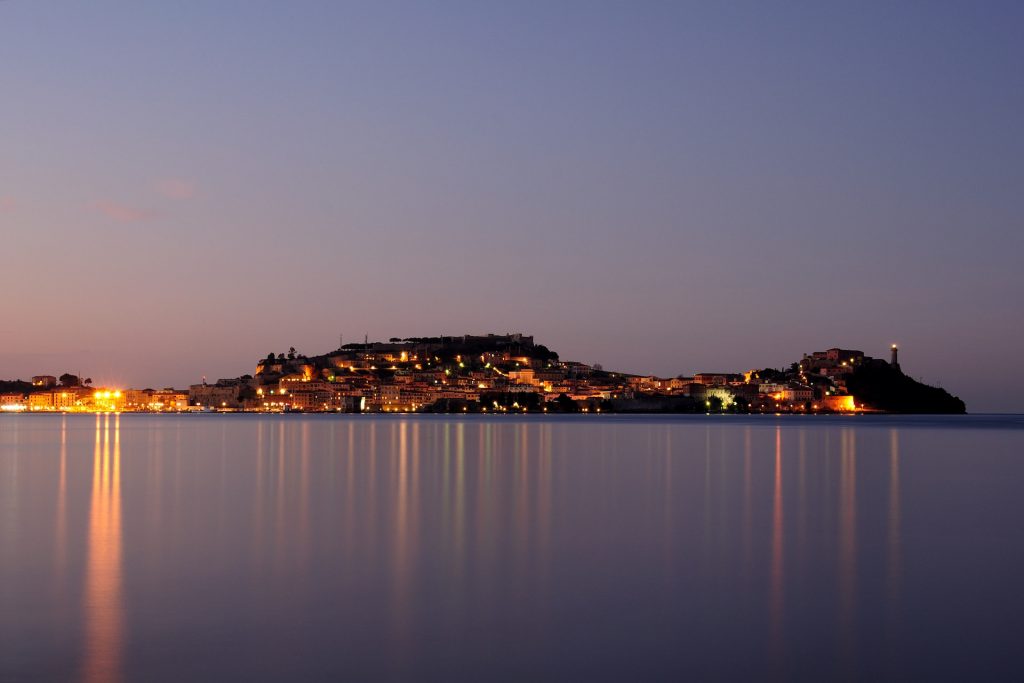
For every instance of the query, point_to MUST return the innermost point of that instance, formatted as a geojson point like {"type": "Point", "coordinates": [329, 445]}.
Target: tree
{"type": "Point", "coordinates": [69, 380]}
{"type": "Point", "coordinates": [740, 404]}
{"type": "Point", "coordinates": [291, 353]}
{"type": "Point", "coordinates": [566, 404]}
{"type": "Point", "coordinates": [544, 353]}
{"type": "Point", "coordinates": [512, 400]}
{"type": "Point", "coordinates": [88, 380]}
{"type": "Point", "coordinates": [270, 356]}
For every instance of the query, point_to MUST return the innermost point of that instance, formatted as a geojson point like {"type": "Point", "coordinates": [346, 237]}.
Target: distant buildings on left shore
{"type": "Point", "coordinates": [69, 393]}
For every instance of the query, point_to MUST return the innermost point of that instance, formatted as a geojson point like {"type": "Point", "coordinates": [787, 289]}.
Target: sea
{"type": "Point", "coordinates": [511, 548]}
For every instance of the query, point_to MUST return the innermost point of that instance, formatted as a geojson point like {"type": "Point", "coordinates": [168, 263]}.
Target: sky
{"type": "Point", "coordinates": [659, 187]}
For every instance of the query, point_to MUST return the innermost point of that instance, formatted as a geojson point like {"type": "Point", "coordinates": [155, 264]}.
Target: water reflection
{"type": "Point", "coordinates": [60, 532]}
{"type": "Point", "coordinates": [459, 516]}
{"type": "Point", "coordinates": [895, 552]}
{"type": "Point", "coordinates": [776, 596]}
{"type": "Point", "coordinates": [365, 548]}
{"type": "Point", "coordinates": [802, 514]}
{"type": "Point", "coordinates": [103, 603]}
{"type": "Point", "coordinates": [847, 544]}
{"type": "Point", "coordinates": [748, 503]}
{"type": "Point", "coordinates": [894, 575]}
{"type": "Point", "coordinates": [404, 537]}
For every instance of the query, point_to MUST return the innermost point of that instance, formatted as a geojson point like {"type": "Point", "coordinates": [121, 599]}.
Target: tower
{"type": "Point", "coordinates": [895, 362]}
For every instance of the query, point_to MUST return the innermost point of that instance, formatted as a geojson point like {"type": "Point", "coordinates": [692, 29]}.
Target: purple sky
{"type": "Point", "coordinates": [660, 187]}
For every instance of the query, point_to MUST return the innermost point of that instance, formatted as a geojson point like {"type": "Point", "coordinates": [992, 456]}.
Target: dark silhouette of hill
{"type": "Point", "coordinates": [880, 386]}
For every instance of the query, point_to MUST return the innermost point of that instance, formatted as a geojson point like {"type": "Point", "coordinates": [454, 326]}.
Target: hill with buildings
{"type": "Point", "coordinates": [504, 373]}
{"type": "Point", "coordinates": [513, 373]}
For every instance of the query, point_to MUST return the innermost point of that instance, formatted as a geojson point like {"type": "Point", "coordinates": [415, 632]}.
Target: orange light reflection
{"type": "Point", "coordinates": [103, 600]}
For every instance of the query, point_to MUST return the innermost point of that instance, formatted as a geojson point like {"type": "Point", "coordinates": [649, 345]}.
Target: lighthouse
{"type": "Point", "coordinates": [895, 362]}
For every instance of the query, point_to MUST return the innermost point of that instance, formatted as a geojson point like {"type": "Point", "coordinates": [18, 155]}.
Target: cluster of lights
{"type": "Point", "coordinates": [452, 366]}
{"type": "Point", "coordinates": [106, 395]}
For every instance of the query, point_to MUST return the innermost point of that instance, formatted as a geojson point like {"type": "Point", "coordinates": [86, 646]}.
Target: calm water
{"type": "Point", "coordinates": [173, 548]}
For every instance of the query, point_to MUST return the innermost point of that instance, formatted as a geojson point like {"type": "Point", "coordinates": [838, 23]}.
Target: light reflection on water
{"type": "Point", "coordinates": [847, 545]}
{"type": "Point", "coordinates": [777, 559]}
{"type": "Point", "coordinates": [103, 606]}
{"type": "Point", "coordinates": [198, 547]}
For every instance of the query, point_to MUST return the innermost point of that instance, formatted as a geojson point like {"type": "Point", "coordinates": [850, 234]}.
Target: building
{"type": "Point", "coordinates": [311, 400]}
{"type": "Point", "coordinates": [64, 400]}
{"type": "Point", "coordinates": [840, 404]}
{"type": "Point", "coordinates": [40, 401]}
{"type": "Point", "coordinates": [214, 396]}
{"type": "Point", "coordinates": [832, 358]}
{"type": "Point", "coordinates": [13, 402]}
{"type": "Point", "coordinates": [169, 399]}
{"type": "Point", "coordinates": [575, 369]}
{"type": "Point", "coordinates": [797, 394]}
{"type": "Point", "coordinates": [716, 378]}
{"type": "Point", "coordinates": [523, 376]}
{"type": "Point", "coordinates": [693, 389]}
{"type": "Point", "coordinates": [105, 400]}
{"type": "Point", "coordinates": [138, 399]}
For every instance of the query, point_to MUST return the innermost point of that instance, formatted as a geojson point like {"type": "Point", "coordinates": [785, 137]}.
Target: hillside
{"type": "Point", "coordinates": [883, 387]}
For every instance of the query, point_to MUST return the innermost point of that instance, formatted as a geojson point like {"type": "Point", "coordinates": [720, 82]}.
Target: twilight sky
{"type": "Point", "coordinates": [662, 187]}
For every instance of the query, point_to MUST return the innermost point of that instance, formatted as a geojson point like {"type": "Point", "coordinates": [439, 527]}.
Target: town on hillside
{"type": "Point", "coordinates": [506, 373]}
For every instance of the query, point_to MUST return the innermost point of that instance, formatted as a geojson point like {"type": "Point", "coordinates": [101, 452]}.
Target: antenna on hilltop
{"type": "Point", "coordinates": [341, 341]}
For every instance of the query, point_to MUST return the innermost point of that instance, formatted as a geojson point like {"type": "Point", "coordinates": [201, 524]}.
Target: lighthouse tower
{"type": "Point", "coordinates": [895, 362]}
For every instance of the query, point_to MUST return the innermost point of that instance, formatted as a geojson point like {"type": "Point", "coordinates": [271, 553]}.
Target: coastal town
{"type": "Point", "coordinates": [497, 373]}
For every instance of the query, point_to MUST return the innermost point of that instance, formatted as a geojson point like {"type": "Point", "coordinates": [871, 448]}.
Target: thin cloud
{"type": "Point", "coordinates": [7, 204]}
{"type": "Point", "coordinates": [176, 188]}
{"type": "Point", "coordinates": [121, 212]}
